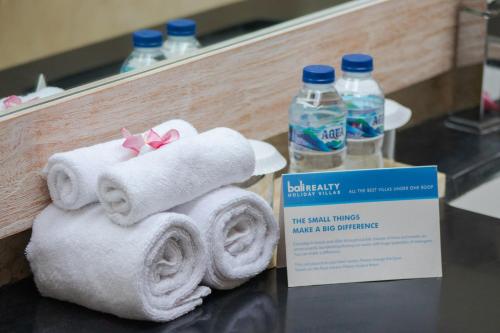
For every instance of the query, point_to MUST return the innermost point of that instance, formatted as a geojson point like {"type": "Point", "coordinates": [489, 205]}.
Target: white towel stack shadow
{"type": "Point", "coordinates": [168, 225]}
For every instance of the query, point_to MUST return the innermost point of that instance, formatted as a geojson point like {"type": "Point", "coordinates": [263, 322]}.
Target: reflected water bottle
{"type": "Point", "coordinates": [147, 50]}
{"type": "Point", "coordinates": [364, 101]}
{"type": "Point", "coordinates": [317, 123]}
{"type": "Point", "coordinates": [181, 38]}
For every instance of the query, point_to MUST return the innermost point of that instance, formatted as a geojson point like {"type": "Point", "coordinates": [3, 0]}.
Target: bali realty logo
{"type": "Point", "coordinates": [311, 190]}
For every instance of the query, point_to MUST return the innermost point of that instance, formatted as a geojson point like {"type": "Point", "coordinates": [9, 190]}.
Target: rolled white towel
{"type": "Point", "coordinates": [241, 234]}
{"type": "Point", "coordinates": [72, 175]}
{"type": "Point", "coordinates": [150, 271]}
{"type": "Point", "coordinates": [175, 174]}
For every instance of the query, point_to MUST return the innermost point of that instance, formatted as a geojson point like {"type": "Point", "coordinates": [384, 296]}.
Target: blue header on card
{"type": "Point", "coordinates": [338, 187]}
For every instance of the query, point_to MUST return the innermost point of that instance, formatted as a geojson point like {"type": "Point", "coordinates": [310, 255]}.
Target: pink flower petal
{"type": "Point", "coordinates": [170, 136]}
{"type": "Point", "coordinates": [132, 142]}
{"type": "Point", "coordinates": [489, 103]}
{"type": "Point", "coordinates": [125, 133]}
{"type": "Point", "coordinates": [153, 139]}
{"type": "Point", "coordinates": [152, 136]}
{"type": "Point", "coordinates": [12, 101]}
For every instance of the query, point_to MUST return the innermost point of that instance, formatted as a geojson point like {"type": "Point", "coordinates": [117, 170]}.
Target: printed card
{"type": "Point", "coordinates": [361, 225]}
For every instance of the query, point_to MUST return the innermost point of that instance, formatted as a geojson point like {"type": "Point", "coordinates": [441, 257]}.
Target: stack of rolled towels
{"type": "Point", "coordinates": [147, 236]}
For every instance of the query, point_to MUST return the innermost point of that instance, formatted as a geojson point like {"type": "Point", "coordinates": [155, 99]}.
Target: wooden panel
{"type": "Point", "coordinates": [246, 86]}
{"type": "Point", "coordinates": [13, 263]}
{"type": "Point", "coordinates": [471, 35]}
{"type": "Point", "coordinates": [438, 88]}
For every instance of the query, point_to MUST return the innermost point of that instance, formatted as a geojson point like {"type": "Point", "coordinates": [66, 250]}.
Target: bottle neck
{"type": "Point", "coordinates": [148, 49]}
{"type": "Point", "coordinates": [316, 86]}
{"type": "Point", "coordinates": [180, 39]}
{"type": "Point", "coordinates": [357, 75]}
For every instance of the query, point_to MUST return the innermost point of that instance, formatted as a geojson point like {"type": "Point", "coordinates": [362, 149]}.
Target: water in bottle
{"type": "Point", "coordinates": [147, 50]}
{"type": "Point", "coordinates": [181, 39]}
{"type": "Point", "coordinates": [364, 101]}
{"type": "Point", "coordinates": [317, 123]}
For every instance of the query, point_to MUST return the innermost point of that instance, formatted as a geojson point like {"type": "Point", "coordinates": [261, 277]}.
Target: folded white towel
{"type": "Point", "coordinates": [72, 175]}
{"type": "Point", "coordinates": [174, 174]}
{"type": "Point", "coordinates": [240, 231]}
{"type": "Point", "coordinates": [149, 271]}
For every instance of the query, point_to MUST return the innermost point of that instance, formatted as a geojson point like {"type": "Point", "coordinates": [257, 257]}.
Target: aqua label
{"type": "Point", "coordinates": [365, 117]}
{"type": "Point", "coordinates": [325, 138]}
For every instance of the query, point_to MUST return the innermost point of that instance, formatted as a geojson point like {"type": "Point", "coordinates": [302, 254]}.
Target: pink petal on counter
{"type": "Point", "coordinates": [12, 101]}
{"type": "Point", "coordinates": [489, 103]}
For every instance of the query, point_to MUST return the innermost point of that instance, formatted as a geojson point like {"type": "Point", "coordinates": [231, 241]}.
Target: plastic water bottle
{"type": "Point", "coordinates": [181, 38]}
{"type": "Point", "coordinates": [364, 101]}
{"type": "Point", "coordinates": [147, 50]}
{"type": "Point", "coordinates": [317, 123]}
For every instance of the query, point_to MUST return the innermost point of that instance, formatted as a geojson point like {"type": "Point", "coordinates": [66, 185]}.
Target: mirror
{"type": "Point", "coordinates": [51, 48]}
{"type": "Point", "coordinates": [477, 62]}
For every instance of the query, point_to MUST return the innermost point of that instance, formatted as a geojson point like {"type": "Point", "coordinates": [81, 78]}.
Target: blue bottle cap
{"type": "Point", "coordinates": [147, 38]}
{"type": "Point", "coordinates": [359, 63]}
{"type": "Point", "coordinates": [319, 74]}
{"type": "Point", "coordinates": [181, 27]}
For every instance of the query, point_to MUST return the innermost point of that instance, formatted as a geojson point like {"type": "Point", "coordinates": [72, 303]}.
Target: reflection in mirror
{"type": "Point", "coordinates": [52, 46]}
{"type": "Point", "coordinates": [477, 62]}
